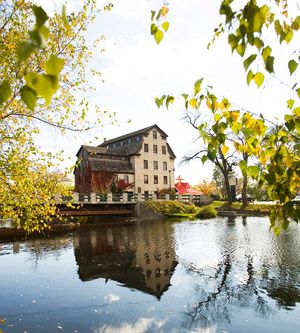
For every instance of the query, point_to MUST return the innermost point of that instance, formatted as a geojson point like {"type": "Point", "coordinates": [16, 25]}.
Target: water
{"type": "Point", "coordinates": [209, 276]}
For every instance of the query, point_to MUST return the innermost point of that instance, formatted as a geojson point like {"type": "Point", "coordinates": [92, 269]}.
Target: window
{"type": "Point", "coordinates": [126, 179]}
{"type": "Point", "coordinates": [145, 164]}
{"type": "Point", "coordinates": [155, 165]}
{"type": "Point", "coordinates": [145, 179]}
{"type": "Point", "coordinates": [165, 180]}
{"type": "Point", "coordinates": [137, 139]}
{"type": "Point", "coordinates": [155, 179]}
{"type": "Point", "coordinates": [146, 148]}
{"type": "Point", "coordinates": [155, 149]}
{"type": "Point", "coordinates": [164, 150]}
{"type": "Point", "coordinates": [154, 135]}
{"type": "Point", "coordinates": [165, 166]}
{"type": "Point", "coordinates": [129, 140]}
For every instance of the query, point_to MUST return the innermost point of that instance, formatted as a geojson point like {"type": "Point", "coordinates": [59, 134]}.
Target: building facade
{"type": "Point", "coordinates": [139, 162]}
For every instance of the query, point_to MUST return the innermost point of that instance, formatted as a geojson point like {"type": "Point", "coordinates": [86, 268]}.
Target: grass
{"type": "Point", "coordinates": [173, 208]}
{"type": "Point", "coordinates": [238, 205]}
{"type": "Point", "coordinates": [207, 212]}
{"type": "Point", "coordinates": [180, 209]}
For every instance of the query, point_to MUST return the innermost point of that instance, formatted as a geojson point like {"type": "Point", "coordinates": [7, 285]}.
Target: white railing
{"type": "Point", "coordinates": [110, 198]}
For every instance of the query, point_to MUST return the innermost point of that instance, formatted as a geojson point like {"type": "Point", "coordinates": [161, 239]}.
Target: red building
{"type": "Point", "coordinates": [185, 188]}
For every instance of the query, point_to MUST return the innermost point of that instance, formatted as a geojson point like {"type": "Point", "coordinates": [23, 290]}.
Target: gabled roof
{"type": "Point", "coordinates": [129, 135]}
{"type": "Point", "coordinates": [117, 166]}
{"type": "Point", "coordinates": [127, 150]}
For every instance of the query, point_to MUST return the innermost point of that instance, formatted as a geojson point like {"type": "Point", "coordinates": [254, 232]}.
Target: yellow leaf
{"type": "Point", "coordinates": [224, 150]}
{"type": "Point", "coordinates": [193, 102]}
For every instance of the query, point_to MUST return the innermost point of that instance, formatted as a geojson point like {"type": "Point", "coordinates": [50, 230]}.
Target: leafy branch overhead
{"type": "Point", "coordinates": [246, 135]}
{"type": "Point", "coordinates": [159, 25]}
{"type": "Point", "coordinates": [37, 85]}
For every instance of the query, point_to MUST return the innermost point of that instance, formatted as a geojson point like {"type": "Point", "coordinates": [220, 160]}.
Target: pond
{"type": "Point", "coordinates": [219, 275]}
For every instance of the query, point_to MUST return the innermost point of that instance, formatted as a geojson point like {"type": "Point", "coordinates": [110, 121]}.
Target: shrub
{"type": "Point", "coordinates": [207, 212]}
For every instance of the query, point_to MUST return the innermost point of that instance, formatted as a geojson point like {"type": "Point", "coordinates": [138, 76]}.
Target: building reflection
{"type": "Point", "coordinates": [140, 256]}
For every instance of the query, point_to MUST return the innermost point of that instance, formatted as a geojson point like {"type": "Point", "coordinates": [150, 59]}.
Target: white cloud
{"type": "Point", "coordinates": [111, 298]}
{"type": "Point", "coordinates": [140, 326]}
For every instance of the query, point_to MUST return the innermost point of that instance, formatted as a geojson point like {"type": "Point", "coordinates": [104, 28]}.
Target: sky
{"type": "Point", "coordinates": [135, 70]}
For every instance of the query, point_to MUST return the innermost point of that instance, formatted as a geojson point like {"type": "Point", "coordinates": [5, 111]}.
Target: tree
{"type": "Point", "coordinates": [34, 64]}
{"type": "Point", "coordinates": [207, 187]}
{"type": "Point", "coordinates": [213, 136]}
{"type": "Point", "coordinates": [248, 27]}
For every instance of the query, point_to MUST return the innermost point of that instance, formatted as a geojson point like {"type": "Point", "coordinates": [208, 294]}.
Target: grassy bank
{"type": "Point", "coordinates": [221, 205]}
{"type": "Point", "coordinates": [180, 209]}
{"type": "Point", "coordinates": [173, 208]}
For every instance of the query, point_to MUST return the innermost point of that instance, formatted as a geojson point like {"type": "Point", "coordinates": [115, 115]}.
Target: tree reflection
{"type": "Point", "coordinates": [240, 280]}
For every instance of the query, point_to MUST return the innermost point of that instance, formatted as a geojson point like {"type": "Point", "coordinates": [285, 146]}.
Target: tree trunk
{"type": "Point", "coordinates": [245, 183]}
{"type": "Point", "coordinates": [244, 191]}
{"type": "Point", "coordinates": [227, 187]}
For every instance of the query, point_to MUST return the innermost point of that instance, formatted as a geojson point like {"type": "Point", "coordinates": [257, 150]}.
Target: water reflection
{"type": "Point", "coordinates": [253, 269]}
{"type": "Point", "coordinates": [207, 276]}
{"type": "Point", "coordinates": [140, 256]}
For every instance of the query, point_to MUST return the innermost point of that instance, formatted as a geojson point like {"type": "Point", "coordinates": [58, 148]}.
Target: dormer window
{"type": "Point", "coordinates": [154, 134]}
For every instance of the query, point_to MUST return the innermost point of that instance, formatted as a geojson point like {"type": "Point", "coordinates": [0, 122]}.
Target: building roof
{"type": "Point", "coordinates": [127, 150]}
{"type": "Point", "coordinates": [185, 188]}
{"type": "Point", "coordinates": [129, 135]}
{"type": "Point", "coordinates": [118, 166]}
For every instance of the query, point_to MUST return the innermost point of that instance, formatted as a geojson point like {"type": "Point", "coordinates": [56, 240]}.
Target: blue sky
{"type": "Point", "coordinates": [135, 70]}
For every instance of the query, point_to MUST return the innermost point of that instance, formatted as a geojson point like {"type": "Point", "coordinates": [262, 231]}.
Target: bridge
{"type": "Point", "coordinates": [93, 204]}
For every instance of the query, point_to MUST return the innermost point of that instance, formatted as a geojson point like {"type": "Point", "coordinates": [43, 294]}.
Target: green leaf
{"type": "Point", "coordinates": [243, 166]}
{"type": "Point", "coordinates": [158, 36]}
{"type": "Point", "coordinates": [28, 96]}
{"type": "Point", "coordinates": [289, 36]}
{"type": "Point", "coordinates": [296, 23]}
{"type": "Point", "coordinates": [258, 43]}
{"type": "Point", "coordinates": [240, 49]}
{"type": "Point", "coordinates": [233, 41]}
{"type": "Point", "coordinates": [165, 26]}
{"type": "Point", "coordinates": [197, 86]}
{"type": "Point", "coordinates": [40, 15]}
{"type": "Point", "coordinates": [278, 27]}
{"type": "Point", "coordinates": [270, 64]}
{"type": "Point", "coordinates": [266, 52]}
{"type": "Point", "coordinates": [290, 103]}
{"type": "Point", "coordinates": [5, 91]}
{"type": "Point", "coordinates": [249, 61]}
{"type": "Point", "coordinates": [170, 99]}
{"type": "Point", "coordinates": [204, 158]}
{"type": "Point", "coordinates": [185, 96]}
{"type": "Point", "coordinates": [159, 101]}
{"type": "Point", "coordinates": [153, 28]}
{"type": "Point", "coordinates": [292, 66]}
{"type": "Point", "coordinates": [24, 50]}
{"type": "Point", "coordinates": [54, 65]}
{"type": "Point", "coordinates": [46, 86]}
{"type": "Point", "coordinates": [38, 38]}
{"type": "Point", "coordinates": [253, 171]}
{"type": "Point", "coordinates": [259, 79]}
{"type": "Point", "coordinates": [298, 92]}
{"type": "Point", "coordinates": [250, 76]}
{"type": "Point", "coordinates": [152, 14]}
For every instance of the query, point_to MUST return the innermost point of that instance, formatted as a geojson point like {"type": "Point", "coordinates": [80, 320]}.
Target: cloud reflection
{"type": "Point", "coordinates": [140, 326]}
